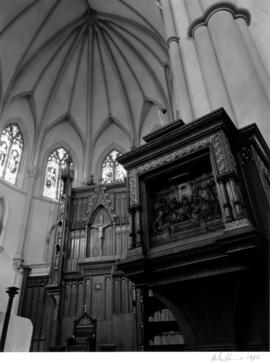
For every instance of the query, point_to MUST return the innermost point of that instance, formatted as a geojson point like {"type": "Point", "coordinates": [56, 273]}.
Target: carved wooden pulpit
{"type": "Point", "coordinates": [199, 208]}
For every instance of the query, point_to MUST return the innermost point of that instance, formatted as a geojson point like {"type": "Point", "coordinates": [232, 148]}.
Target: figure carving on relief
{"type": "Point", "coordinates": [160, 223]}
{"type": "Point", "coordinates": [57, 257]}
{"type": "Point", "coordinates": [101, 227]}
{"type": "Point", "coordinates": [187, 204]}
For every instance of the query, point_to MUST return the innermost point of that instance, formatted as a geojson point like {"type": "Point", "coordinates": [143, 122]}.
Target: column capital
{"type": "Point", "coordinates": [171, 39]}
{"type": "Point", "coordinates": [220, 6]}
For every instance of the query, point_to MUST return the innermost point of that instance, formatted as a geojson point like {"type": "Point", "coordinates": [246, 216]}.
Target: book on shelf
{"type": "Point", "coordinates": [172, 338]}
{"type": "Point", "coordinates": [163, 315]}
{"type": "Point", "coordinates": [150, 293]}
{"type": "Point", "coordinates": [179, 338]}
{"type": "Point", "coordinates": [157, 316]}
{"type": "Point", "coordinates": [157, 340]}
{"type": "Point", "coordinates": [165, 338]}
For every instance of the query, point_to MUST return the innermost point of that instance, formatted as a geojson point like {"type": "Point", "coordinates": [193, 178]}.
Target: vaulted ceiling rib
{"type": "Point", "coordinates": [105, 46]}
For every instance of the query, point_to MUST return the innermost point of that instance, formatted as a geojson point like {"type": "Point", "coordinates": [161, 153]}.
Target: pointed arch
{"type": "Point", "coordinates": [12, 150]}
{"type": "Point", "coordinates": [96, 211]}
{"type": "Point", "coordinates": [53, 184]}
{"type": "Point", "coordinates": [110, 119]}
{"type": "Point", "coordinates": [67, 118]}
{"type": "Point", "coordinates": [29, 97]}
{"type": "Point", "coordinates": [45, 156]}
{"type": "Point", "coordinates": [106, 152]}
{"type": "Point", "coordinates": [99, 227]}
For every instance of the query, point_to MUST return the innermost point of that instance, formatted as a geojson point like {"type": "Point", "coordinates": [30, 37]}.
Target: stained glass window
{"type": "Point", "coordinates": [53, 184]}
{"type": "Point", "coordinates": [11, 148]}
{"type": "Point", "coordinates": [112, 171]}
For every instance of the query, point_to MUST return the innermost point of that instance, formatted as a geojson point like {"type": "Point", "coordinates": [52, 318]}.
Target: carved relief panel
{"type": "Point", "coordinates": [100, 235]}
{"type": "Point", "coordinates": [183, 200]}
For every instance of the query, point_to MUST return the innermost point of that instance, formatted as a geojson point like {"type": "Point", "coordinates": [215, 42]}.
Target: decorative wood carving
{"type": "Point", "coordinates": [185, 206]}
{"type": "Point", "coordinates": [218, 143]}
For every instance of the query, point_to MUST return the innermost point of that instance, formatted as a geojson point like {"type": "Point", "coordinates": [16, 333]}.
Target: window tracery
{"type": "Point", "coordinates": [112, 171]}
{"type": "Point", "coordinates": [53, 184]}
{"type": "Point", "coordinates": [11, 149]}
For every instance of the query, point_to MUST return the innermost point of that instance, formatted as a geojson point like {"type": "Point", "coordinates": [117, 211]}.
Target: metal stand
{"type": "Point", "coordinates": [12, 291]}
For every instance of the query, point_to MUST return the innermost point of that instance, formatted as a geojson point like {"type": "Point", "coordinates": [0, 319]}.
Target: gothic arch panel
{"type": "Point", "coordinates": [100, 234]}
{"type": "Point", "coordinates": [100, 160]}
{"type": "Point", "coordinates": [112, 138]}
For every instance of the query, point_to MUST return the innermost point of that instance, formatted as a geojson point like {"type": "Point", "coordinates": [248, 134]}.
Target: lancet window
{"type": "Point", "coordinates": [112, 171]}
{"type": "Point", "coordinates": [53, 184]}
{"type": "Point", "coordinates": [11, 149]}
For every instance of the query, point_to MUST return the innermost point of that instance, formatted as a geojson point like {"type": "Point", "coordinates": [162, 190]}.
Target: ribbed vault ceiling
{"type": "Point", "coordinates": [90, 63]}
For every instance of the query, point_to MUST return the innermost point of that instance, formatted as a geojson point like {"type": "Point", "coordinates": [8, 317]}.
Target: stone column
{"type": "Point", "coordinates": [198, 93]}
{"type": "Point", "coordinates": [229, 41]}
{"type": "Point", "coordinates": [183, 100]}
{"type": "Point", "coordinates": [245, 89]}
{"type": "Point", "coordinates": [255, 55]}
{"type": "Point", "coordinates": [214, 82]}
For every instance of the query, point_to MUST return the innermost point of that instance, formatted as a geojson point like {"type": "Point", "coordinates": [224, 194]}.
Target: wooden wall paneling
{"type": "Point", "coordinates": [83, 209]}
{"type": "Point", "coordinates": [64, 300]}
{"type": "Point", "coordinates": [80, 299]}
{"type": "Point", "coordinates": [98, 301]}
{"type": "Point", "coordinates": [124, 298]}
{"type": "Point", "coordinates": [79, 213]}
{"type": "Point", "coordinates": [110, 241]}
{"type": "Point", "coordinates": [52, 323]}
{"type": "Point", "coordinates": [76, 296]}
{"type": "Point", "coordinates": [82, 253]}
{"type": "Point", "coordinates": [109, 300]}
{"type": "Point", "coordinates": [68, 298]}
{"type": "Point", "coordinates": [26, 271]}
{"type": "Point", "coordinates": [117, 240]}
{"type": "Point", "coordinates": [26, 310]}
{"type": "Point", "coordinates": [40, 313]}
{"type": "Point", "coordinates": [45, 322]}
{"type": "Point", "coordinates": [73, 211]}
{"type": "Point", "coordinates": [117, 296]}
{"type": "Point", "coordinates": [122, 222]}
{"type": "Point", "coordinates": [44, 316]}
{"type": "Point", "coordinates": [35, 309]}
{"type": "Point", "coordinates": [131, 295]}
{"type": "Point", "coordinates": [73, 296]}
{"type": "Point", "coordinates": [88, 294]}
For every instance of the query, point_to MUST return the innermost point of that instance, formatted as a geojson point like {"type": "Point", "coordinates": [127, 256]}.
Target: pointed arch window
{"type": "Point", "coordinates": [11, 149]}
{"type": "Point", "coordinates": [53, 184]}
{"type": "Point", "coordinates": [112, 171]}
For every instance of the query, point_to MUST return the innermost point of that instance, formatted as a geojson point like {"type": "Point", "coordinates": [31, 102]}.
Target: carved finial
{"type": "Point", "coordinates": [84, 308]}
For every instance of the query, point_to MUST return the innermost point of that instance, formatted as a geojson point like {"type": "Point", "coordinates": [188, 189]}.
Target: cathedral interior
{"type": "Point", "coordinates": [135, 173]}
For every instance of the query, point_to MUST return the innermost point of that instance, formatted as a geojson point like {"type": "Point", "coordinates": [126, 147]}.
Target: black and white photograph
{"type": "Point", "coordinates": [135, 180]}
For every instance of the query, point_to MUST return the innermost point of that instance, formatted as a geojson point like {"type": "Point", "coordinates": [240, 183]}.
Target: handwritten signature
{"type": "Point", "coordinates": [225, 357]}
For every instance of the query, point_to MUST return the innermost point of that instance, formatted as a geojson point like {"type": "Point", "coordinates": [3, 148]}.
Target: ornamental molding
{"type": "Point", "coordinates": [171, 39]}
{"type": "Point", "coordinates": [218, 144]}
{"type": "Point", "coordinates": [237, 13]}
{"type": "Point", "coordinates": [99, 197]}
{"type": "Point", "coordinates": [246, 155]}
